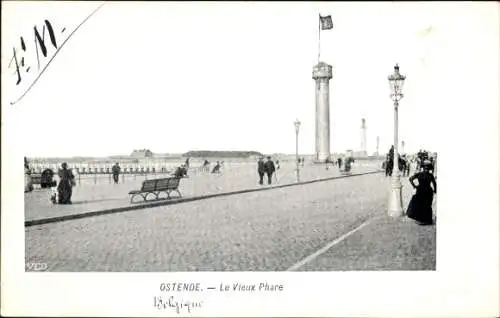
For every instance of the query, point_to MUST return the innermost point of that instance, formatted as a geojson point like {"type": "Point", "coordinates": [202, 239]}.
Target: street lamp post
{"type": "Point", "coordinates": [396, 82]}
{"type": "Point", "coordinates": [297, 126]}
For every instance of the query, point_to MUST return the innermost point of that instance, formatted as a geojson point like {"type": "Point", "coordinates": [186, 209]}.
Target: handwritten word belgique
{"type": "Point", "coordinates": [177, 305]}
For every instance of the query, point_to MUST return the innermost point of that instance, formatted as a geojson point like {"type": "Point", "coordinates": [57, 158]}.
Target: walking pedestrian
{"type": "Point", "coordinates": [216, 168]}
{"type": "Point", "coordinates": [389, 165]}
{"type": "Point", "coordinates": [347, 164]}
{"type": "Point", "coordinates": [115, 170]}
{"type": "Point", "coordinates": [65, 186]}
{"type": "Point", "coordinates": [261, 169]}
{"type": "Point", "coordinates": [206, 166]}
{"type": "Point", "coordinates": [270, 169]}
{"type": "Point", "coordinates": [420, 206]}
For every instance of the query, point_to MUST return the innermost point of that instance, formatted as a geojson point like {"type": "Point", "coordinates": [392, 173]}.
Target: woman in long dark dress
{"type": "Point", "coordinates": [65, 186]}
{"type": "Point", "coordinates": [420, 207]}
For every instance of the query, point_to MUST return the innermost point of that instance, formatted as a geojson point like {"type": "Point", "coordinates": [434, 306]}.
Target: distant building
{"type": "Point", "coordinates": [142, 153]}
{"type": "Point", "coordinates": [221, 154]}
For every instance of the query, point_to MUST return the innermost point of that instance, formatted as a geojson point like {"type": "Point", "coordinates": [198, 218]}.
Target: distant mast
{"type": "Point", "coordinates": [378, 143]}
{"type": "Point", "coordinates": [363, 149]}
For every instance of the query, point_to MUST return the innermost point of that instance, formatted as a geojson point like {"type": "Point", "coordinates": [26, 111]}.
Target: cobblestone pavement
{"type": "Point", "coordinates": [384, 244]}
{"type": "Point", "coordinates": [259, 231]}
{"type": "Point", "coordinates": [88, 197]}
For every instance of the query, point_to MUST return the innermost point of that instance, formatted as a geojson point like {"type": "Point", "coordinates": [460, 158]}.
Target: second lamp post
{"type": "Point", "coordinates": [297, 127]}
{"type": "Point", "coordinates": [396, 82]}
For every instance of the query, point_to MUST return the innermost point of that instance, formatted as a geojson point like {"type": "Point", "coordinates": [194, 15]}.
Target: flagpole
{"type": "Point", "coordinates": [319, 38]}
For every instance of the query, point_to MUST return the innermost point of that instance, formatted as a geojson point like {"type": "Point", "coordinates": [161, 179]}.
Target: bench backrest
{"type": "Point", "coordinates": [167, 184]}
{"type": "Point", "coordinates": [160, 184]}
{"type": "Point", "coordinates": [148, 185]}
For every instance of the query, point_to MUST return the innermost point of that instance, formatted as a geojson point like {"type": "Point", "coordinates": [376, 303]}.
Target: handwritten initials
{"type": "Point", "coordinates": [40, 45]}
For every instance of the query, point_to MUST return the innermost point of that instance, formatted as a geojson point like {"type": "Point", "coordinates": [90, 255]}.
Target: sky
{"type": "Point", "coordinates": [174, 77]}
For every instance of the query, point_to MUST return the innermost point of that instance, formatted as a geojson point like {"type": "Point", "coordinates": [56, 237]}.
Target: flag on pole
{"type": "Point", "coordinates": [326, 22]}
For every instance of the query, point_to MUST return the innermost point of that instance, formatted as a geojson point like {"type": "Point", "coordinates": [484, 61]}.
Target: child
{"type": "Point", "coordinates": [54, 193]}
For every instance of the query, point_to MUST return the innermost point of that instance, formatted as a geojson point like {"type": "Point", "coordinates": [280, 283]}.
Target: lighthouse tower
{"type": "Point", "coordinates": [322, 74]}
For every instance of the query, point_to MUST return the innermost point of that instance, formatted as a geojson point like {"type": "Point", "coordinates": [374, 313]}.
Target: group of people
{"type": "Point", "coordinates": [61, 191]}
{"type": "Point", "coordinates": [181, 171]}
{"type": "Point", "coordinates": [423, 156]}
{"type": "Point", "coordinates": [266, 168]}
{"type": "Point", "coordinates": [404, 163]}
{"type": "Point", "coordinates": [346, 163]}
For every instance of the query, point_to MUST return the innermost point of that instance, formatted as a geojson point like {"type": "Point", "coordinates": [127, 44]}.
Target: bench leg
{"type": "Point", "coordinates": [178, 192]}
{"type": "Point", "coordinates": [132, 196]}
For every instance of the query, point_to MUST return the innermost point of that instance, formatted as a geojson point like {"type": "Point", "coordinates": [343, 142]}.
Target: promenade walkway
{"type": "Point", "coordinates": [91, 197]}
{"type": "Point", "coordinates": [340, 224]}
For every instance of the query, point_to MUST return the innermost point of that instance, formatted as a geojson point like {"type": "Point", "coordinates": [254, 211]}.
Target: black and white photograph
{"type": "Point", "coordinates": [251, 138]}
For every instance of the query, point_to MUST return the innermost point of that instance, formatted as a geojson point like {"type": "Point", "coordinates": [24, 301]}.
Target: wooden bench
{"type": "Point", "coordinates": [156, 187]}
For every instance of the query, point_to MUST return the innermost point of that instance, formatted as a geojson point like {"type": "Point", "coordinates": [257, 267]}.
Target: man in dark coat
{"type": "Point", "coordinates": [116, 172]}
{"type": "Point", "coordinates": [270, 169]}
{"type": "Point", "coordinates": [389, 161]}
{"type": "Point", "coordinates": [261, 170]}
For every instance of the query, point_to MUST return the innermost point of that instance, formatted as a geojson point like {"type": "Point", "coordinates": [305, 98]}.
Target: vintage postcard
{"type": "Point", "coordinates": [250, 159]}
